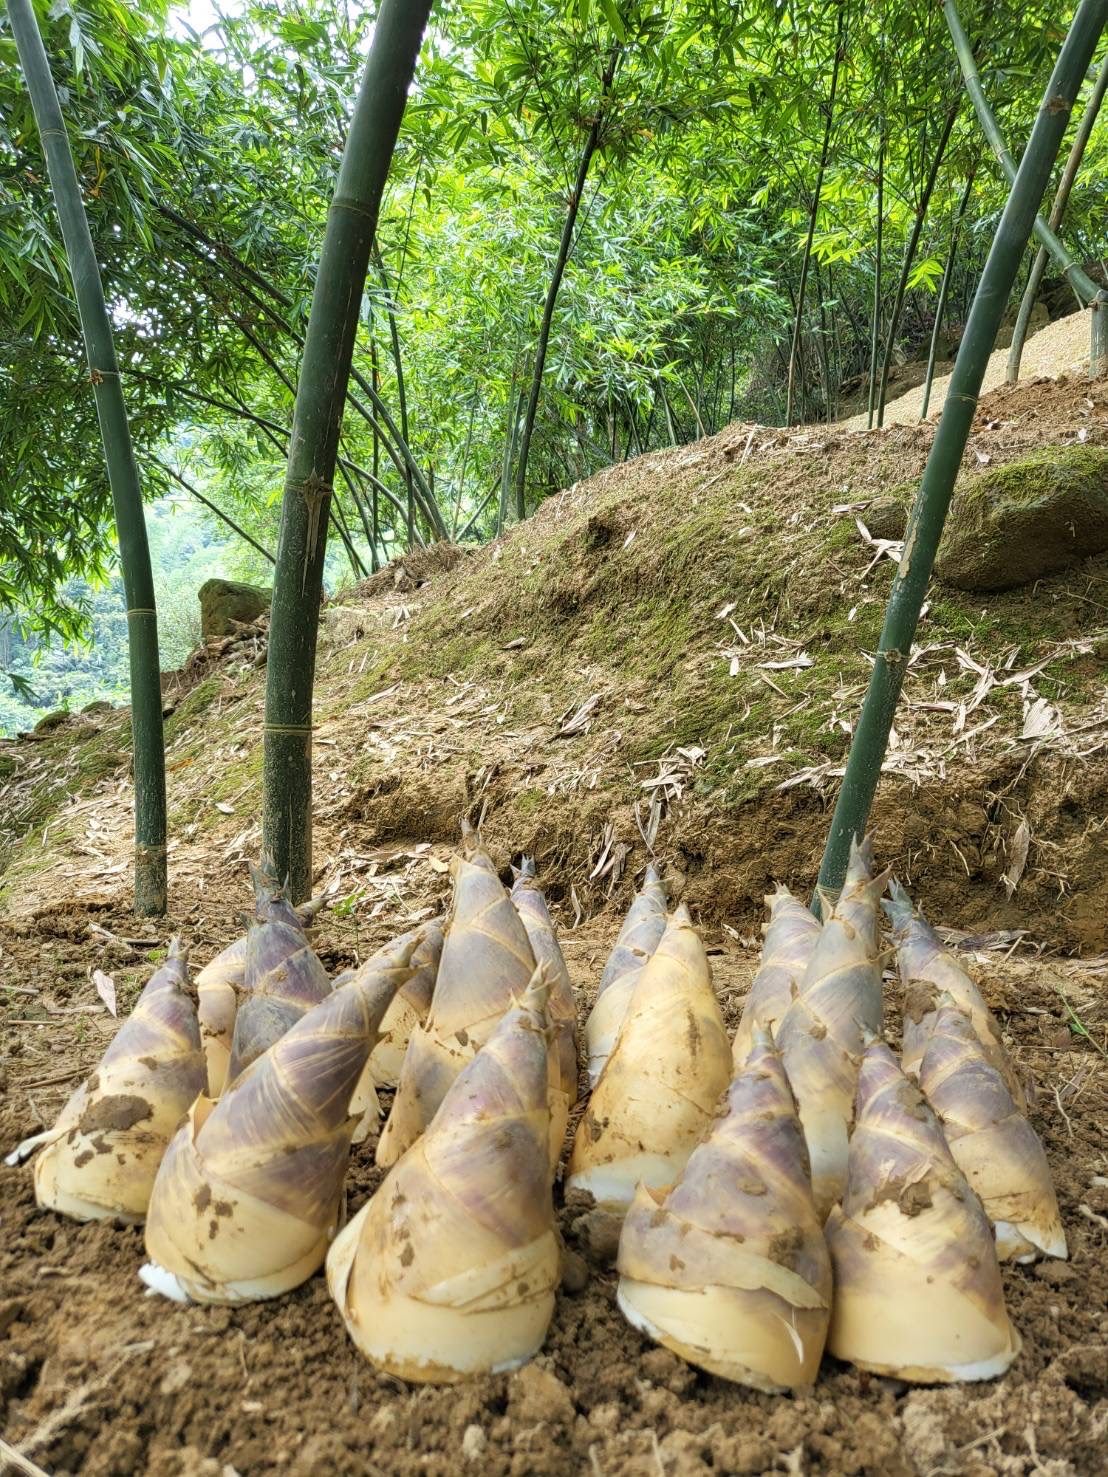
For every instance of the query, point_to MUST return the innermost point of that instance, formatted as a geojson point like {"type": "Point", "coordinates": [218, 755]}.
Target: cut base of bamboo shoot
{"type": "Point", "coordinates": [442, 1337]}
{"type": "Point", "coordinates": [690, 1322]}
{"type": "Point", "coordinates": [873, 1326]}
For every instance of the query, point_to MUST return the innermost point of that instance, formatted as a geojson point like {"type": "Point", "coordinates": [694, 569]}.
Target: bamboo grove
{"type": "Point", "coordinates": [600, 227]}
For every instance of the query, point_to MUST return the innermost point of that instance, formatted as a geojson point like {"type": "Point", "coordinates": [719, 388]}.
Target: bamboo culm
{"type": "Point", "coordinates": [925, 524]}
{"type": "Point", "coordinates": [123, 474]}
{"type": "Point", "coordinates": [1057, 210]}
{"type": "Point", "coordinates": [1085, 289]}
{"type": "Point", "coordinates": [592, 139]}
{"type": "Point", "coordinates": [814, 214]}
{"type": "Point", "coordinates": [944, 288]}
{"type": "Point", "coordinates": [875, 329]}
{"type": "Point", "coordinates": [317, 421]}
{"type": "Point", "coordinates": [909, 257]}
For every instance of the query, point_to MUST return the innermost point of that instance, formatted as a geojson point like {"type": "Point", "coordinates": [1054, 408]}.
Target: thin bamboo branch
{"type": "Point", "coordinates": [940, 306]}
{"type": "Point", "coordinates": [592, 139]}
{"type": "Point", "coordinates": [910, 254]}
{"type": "Point", "coordinates": [195, 492]}
{"type": "Point", "coordinates": [813, 214]}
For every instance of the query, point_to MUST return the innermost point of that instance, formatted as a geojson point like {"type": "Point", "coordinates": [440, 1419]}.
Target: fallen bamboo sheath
{"type": "Point", "coordinates": [282, 977]}
{"type": "Point", "coordinates": [100, 1158]}
{"type": "Point", "coordinates": [729, 1268]}
{"type": "Point", "coordinates": [449, 1270]}
{"type": "Point", "coordinates": [486, 964]}
{"type": "Point", "coordinates": [918, 1294]}
{"type": "Point", "coordinates": [927, 971]}
{"type": "Point", "coordinates": [790, 938]}
{"type": "Point", "coordinates": [249, 1195]}
{"type": "Point", "coordinates": [822, 1034]}
{"type": "Point", "coordinates": [662, 1083]}
{"type": "Point", "coordinates": [638, 938]}
{"type": "Point", "coordinates": [992, 1142]}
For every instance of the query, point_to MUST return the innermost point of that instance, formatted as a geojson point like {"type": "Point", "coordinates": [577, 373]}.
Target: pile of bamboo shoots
{"type": "Point", "coordinates": [795, 1189]}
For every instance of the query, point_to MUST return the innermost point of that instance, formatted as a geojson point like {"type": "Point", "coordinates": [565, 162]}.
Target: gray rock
{"type": "Point", "coordinates": [886, 518]}
{"type": "Point", "coordinates": [1032, 518]}
{"type": "Point", "coordinates": [226, 604]}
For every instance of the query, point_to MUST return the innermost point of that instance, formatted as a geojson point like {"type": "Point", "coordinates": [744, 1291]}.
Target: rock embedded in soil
{"type": "Point", "coordinates": [1031, 518]}
{"type": "Point", "coordinates": [227, 604]}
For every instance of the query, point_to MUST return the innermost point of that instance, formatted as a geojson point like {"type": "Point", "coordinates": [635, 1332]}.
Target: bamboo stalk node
{"type": "Point", "coordinates": [355, 207]}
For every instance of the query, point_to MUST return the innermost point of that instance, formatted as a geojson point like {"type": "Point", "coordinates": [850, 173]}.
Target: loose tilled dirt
{"type": "Point", "coordinates": [576, 687]}
{"type": "Point", "coordinates": [98, 1378]}
{"type": "Point", "coordinates": [1062, 347]}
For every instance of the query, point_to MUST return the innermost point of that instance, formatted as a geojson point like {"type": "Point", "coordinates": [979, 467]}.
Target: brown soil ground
{"type": "Point", "coordinates": [1062, 347]}
{"type": "Point", "coordinates": [97, 1378]}
{"type": "Point", "coordinates": [447, 688]}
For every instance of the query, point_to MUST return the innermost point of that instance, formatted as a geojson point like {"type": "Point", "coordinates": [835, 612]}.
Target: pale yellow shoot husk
{"type": "Point", "coordinates": [638, 938]}
{"type": "Point", "coordinates": [530, 903]}
{"type": "Point", "coordinates": [729, 1269]}
{"type": "Point", "coordinates": [992, 1142]}
{"type": "Point", "coordinates": [928, 971]}
{"type": "Point", "coordinates": [249, 1194]}
{"type": "Point", "coordinates": [409, 1006]}
{"type": "Point", "coordinates": [790, 938]}
{"type": "Point", "coordinates": [918, 1294]}
{"type": "Point", "coordinates": [407, 1010]}
{"type": "Point", "coordinates": [282, 977]}
{"type": "Point", "coordinates": [822, 1034]}
{"type": "Point", "coordinates": [486, 965]}
{"type": "Point", "coordinates": [449, 1271]}
{"type": "Point", "coordinates": [659, 1090]}
{"type": "Point", "coordinates": [100, 1158]}
{"type": "Point", "coordinates": [218, 986]}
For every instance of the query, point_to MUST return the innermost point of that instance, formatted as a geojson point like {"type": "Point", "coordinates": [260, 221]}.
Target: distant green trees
{"type": "Point", "coordinates": [206, 165]}
{"type": "Point", "coordinates": [607, 227]}
{"type": "Point", "coordinates": [186, 549]}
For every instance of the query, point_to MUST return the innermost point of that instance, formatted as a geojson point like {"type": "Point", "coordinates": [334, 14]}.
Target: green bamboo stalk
{"type": "Point", "coordinates": [944, 289]}
{"type": "Point", "coordinates": [1083, 285]}
{"type": "Point", "coordinates": [1057, 210]}
{"type": "Point", "coordinates": [592, 141]}
{"type": "Point", "coordinates": [813, 214]}
{"type": "Point", "coordinates": [925, 525]}
{"type": "Point", "coordinates": [910, 254]}
{"type": "Point", "coordinates": [317, 421]}
{"type": "Point", "coordinates": [123, 475]}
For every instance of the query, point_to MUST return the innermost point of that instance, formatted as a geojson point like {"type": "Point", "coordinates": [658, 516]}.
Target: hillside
{"type": "Point", "coordinates": [671, 652]}
{"type": "Point", "coordinates": [665, 660]}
